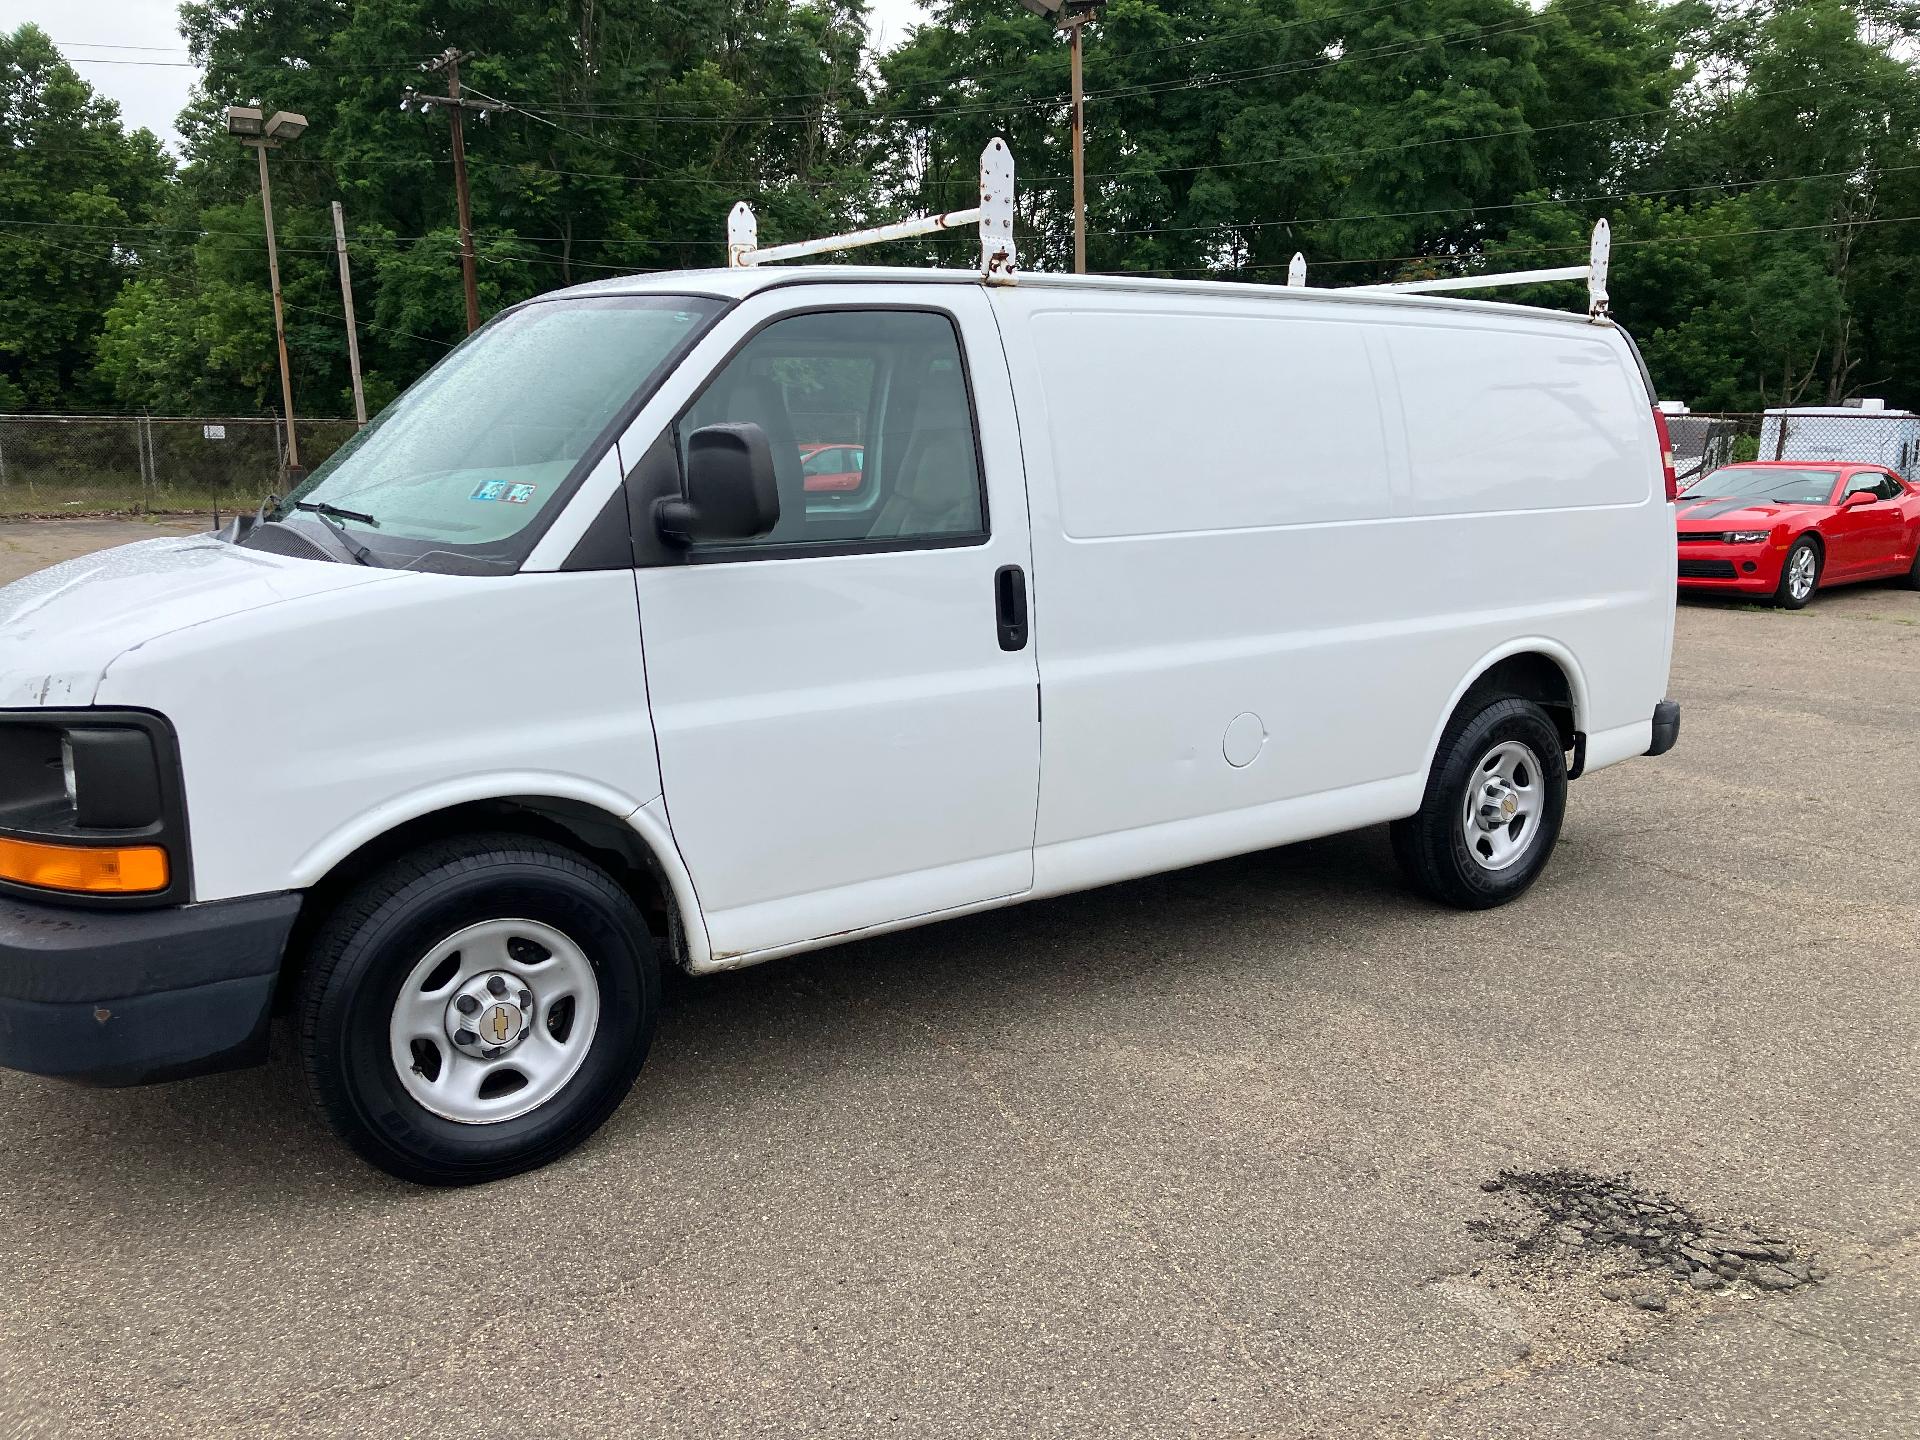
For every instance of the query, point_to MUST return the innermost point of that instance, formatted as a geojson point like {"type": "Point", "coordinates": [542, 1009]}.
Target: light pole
{"type": "Point", "coordinates": [1073, 16]}
{"type": "Point", "coordinates": [248, 124]}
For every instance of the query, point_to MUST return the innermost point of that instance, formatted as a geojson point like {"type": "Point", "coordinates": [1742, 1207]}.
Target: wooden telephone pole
{"type": "Point", "coordinates": [1073, 17]}
{"type": "Point", "coordinates": [457, 104]}
{"type": "Point", "coordinates": [353, 333]}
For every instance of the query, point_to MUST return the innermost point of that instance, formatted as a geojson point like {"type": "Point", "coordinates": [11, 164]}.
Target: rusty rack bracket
{"type": "Point", "coordinates": [994, 215]}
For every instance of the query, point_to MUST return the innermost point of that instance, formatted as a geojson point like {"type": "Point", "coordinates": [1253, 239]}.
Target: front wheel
{"type": "Point", "coordinates": [1799, 576]}
{"type": "Point", "coordinates": [478, 1009]}
{"type": "Point", "coordinates": [1492, 810]}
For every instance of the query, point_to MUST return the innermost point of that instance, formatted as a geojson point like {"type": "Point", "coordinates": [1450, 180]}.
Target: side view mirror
{"type": "Point", "coordinates": [1857, 498]}
{"type": "Point", "coordinates": [731, 491]}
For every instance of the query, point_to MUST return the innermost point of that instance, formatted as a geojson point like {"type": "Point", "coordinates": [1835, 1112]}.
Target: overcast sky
{"type": "Point", "coordinates": [129, 50]}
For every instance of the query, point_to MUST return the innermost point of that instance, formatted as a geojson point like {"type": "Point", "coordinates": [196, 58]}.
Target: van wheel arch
{"type": "Point", "coordinates": [1527, 675]}
{"type": "Point", "coordinates": [597, 836]}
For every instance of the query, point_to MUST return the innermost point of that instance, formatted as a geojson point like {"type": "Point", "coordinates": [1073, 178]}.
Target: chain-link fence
{"type": "Point", "coordinates": [141, 464]}
{"type": "Point", "coordinates": [1702, 443]}
{"type": "Point", "coordinates": [150, 464]}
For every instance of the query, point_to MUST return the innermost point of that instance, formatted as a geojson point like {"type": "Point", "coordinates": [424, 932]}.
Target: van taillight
{"type": "Point", "coordinates": [1666, 453]}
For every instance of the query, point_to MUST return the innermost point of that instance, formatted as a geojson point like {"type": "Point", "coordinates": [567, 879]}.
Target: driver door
{"type": "Point", "coordinates": [848, 735]}
{"type": "Point", "coordinates": [1865, 537]}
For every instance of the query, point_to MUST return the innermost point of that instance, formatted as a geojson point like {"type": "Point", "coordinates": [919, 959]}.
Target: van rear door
{"type": "Point", "coordinates": [846, 710]}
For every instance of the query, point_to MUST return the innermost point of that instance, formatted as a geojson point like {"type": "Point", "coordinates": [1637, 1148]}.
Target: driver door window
{"type": "Point", "coordinates": [871, 426]}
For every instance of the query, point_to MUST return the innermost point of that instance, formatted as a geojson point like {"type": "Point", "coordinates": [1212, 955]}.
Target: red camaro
{"type": "Point", "coordinates": [1785, 528]}
{"type": "Point", "coordinates": [833, 469]}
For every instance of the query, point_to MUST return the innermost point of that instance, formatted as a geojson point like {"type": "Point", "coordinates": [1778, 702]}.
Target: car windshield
{"type": "Point", "coordinates": [1767, 482]}
{"type": "Point", "coordinates": [461, 472]}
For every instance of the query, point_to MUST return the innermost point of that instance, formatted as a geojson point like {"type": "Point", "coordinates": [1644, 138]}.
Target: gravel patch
{"type": "Point", "coordinates": [1576, 1215]}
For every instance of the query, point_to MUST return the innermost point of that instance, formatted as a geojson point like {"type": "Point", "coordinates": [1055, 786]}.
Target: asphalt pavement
{"type": "Point", "coordinates": [1198, 1155]}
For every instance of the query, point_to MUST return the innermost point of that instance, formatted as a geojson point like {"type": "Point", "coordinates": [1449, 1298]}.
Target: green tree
{"type": "Point", "coordinates": [73, 187]}
{"type": "Point", "coordinates": [632, 128]}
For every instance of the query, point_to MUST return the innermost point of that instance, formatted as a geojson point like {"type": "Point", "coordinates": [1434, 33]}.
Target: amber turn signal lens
{"type": "Point", "coordinates": [84, 870]}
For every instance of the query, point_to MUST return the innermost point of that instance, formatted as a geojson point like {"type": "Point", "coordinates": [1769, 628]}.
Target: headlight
{"type": "Point", "coordinates": [1745, 537]}
{"type": "Point", "coordinates": [112, 827]}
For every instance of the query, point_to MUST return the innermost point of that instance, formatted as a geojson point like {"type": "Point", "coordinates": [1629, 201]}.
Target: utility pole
{"type": "Point", "coordinates": [1073, 16]}
{"type": "Point", "coordinates": [250, 126]}
{"type": "Point", "coordinates": [346, 299]}
{"type": "Point", "coordinates": [457, 104]}
{"type": "Point", "coordinates": [1073, 26]}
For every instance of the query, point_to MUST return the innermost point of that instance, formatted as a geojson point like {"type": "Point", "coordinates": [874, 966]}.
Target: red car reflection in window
{"type": "Point", "coordinates": [833, 469]}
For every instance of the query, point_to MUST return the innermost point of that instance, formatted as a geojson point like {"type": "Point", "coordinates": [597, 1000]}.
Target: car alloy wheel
{"type": "Point", "coordinates": [1802, 569]}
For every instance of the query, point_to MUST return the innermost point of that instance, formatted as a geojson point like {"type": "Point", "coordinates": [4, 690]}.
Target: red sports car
{"type": "Point", "coordinates": [833, 469]}
{"type": "Point", "coordinates": [1784, 528]}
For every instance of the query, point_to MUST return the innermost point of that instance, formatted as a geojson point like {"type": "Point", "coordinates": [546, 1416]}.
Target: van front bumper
{"type": "Point", "coordinates": [127, 997]}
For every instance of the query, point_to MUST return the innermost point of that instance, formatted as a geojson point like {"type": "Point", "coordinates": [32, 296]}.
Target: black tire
{"type": "Point", "coordinates": [1784, 596]}
{"type": "Point", "coordinates": [1913, 570]}
{"type": "Point", "coordinates": [365, 950]}
{"type": "Point", "coordinates": [1432, 846]}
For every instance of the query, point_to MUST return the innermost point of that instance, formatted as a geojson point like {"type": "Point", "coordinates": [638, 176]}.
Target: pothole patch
{"type": "Point", "coordinates": [1660, 1246]}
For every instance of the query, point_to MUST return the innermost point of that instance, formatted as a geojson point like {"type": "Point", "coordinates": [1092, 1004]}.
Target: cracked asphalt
{"type": "Point", "coordinates": [1192, 1155]}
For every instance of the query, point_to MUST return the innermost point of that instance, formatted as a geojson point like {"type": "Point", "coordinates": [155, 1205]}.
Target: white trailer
{"type": "Point", "coordinates": [1867, 433]}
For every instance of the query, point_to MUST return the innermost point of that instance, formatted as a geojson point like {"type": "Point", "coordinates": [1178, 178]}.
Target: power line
{"type": "Point", "coordinates": [1353, 151]}
{"type": "Point", "coordinates": [390, 329]}
{"type": "Point", "coordinates": [1471, 210]}
{"type": "Point", "coordinates": [1189, 82]}
{"type": "Point", "coordinates": [1703, 238]}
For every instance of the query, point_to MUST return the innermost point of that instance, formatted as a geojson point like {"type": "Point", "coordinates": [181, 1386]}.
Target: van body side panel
{"type": "Point", "coordinates": [1257, 592]}
{"type": "Point", "coordinates": [1532, 474]}
{"type": "Point", "coordinates": [313, 726]}
{"type": "Point", "coordinates": [844, 744]}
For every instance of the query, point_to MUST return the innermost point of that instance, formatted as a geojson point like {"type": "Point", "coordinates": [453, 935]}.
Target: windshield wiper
{"type": "Point", "coordinates": [336, 519]}
{"type": "Point", "coordinates": [334, 512]}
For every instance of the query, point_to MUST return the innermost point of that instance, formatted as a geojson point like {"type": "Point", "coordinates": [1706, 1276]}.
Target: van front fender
{"type": "Point", "coordinates": [647, 819]}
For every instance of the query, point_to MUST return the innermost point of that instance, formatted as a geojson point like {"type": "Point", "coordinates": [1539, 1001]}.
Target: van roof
{"type": "Point", "coordinates": [733, 284]}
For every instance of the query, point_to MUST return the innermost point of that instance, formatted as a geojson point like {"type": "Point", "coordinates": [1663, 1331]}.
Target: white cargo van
{"type": "Point", "coordinates": [566, 668]}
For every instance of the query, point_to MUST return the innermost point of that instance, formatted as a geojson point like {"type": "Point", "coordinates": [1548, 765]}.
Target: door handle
{"type": "Point", "coordinates": [1010, 606]}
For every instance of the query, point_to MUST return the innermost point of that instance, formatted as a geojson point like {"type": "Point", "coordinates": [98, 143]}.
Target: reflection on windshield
{"type": "Point", "coordinates": [456, 471]}
{"type": "Point", "coordinates": [1783, 487]}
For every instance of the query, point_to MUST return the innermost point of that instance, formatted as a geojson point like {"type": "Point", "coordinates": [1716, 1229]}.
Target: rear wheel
{"type": "Point", "coordinates": [1799, 575]}
{"type": "Point", "coordinates": [477, 1009]}
{"type": "Point", "coordinates": [1493, 806]}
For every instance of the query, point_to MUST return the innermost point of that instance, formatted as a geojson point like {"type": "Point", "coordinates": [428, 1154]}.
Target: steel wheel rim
{"type": "Point", "coordinates": [1506, 797]}
{"type": "Point", "coordinates": [1800, 574]}
{"type": "Point", "coordinates": [522, 1041]}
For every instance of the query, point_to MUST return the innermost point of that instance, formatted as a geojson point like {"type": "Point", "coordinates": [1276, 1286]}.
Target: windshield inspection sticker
{"type": "Point", "coordinates": [520, 494]}
{"type": "Point", "coordinates": [491, 490]}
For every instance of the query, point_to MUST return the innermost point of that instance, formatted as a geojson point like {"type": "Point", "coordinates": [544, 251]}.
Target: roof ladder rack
{"type": "Point", "coordinates": [994, 213]}
{"type": "Point", "coordinates": [1594, 272]}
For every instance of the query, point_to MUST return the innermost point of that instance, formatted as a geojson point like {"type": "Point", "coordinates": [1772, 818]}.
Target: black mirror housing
{"type": "Point", "coordinates": [731, 492]}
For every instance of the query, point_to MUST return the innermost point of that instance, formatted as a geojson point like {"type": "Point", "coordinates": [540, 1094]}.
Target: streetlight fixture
{"type": "Point", "coordinates": [1073, 16]}
{"type": "Point", "coordinates": [250, 125]}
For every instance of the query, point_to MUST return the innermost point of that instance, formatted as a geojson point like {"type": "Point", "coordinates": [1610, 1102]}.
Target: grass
{"type": "Point", "coordinates": [19, 504]}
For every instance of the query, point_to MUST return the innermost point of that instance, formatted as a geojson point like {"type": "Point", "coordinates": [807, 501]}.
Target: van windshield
{"type": "Point", "coordinates": [463, 471]}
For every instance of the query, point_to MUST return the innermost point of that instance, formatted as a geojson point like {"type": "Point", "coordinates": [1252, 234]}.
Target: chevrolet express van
{"type": "Point", "coordinates": [560, 671]}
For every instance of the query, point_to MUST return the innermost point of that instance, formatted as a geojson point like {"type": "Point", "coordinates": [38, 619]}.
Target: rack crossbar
{"type": "Point", "coordinates": [994, 216]}
{"type": "Point", "coordinates": [1482, 282]}
{"type": "Point", "coordinates": [872, 235]}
